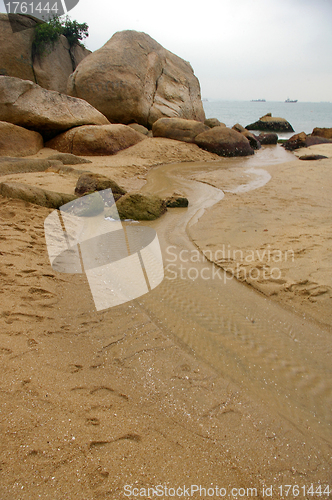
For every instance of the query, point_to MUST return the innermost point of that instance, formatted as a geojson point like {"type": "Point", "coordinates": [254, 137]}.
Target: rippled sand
{"type": "Point", "coordinates": [151, 392]}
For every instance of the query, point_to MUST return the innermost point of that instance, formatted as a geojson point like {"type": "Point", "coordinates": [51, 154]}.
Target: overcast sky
{"type": "Point", "coordinates": [239, 49]}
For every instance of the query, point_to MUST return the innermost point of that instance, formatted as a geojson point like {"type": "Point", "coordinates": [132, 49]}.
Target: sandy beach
{"type": "Point", "coordinates": [276, 238]}
{"type": "Point", "coordinates": [92, 402]}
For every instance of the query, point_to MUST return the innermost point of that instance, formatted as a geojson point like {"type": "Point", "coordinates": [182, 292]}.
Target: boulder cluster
{"type": "Point", "coordinates": [303, 140]}
{"type": "Point", "coordinates": [82, 103]}
{"type": "Point", "coordinates": [100, 103]}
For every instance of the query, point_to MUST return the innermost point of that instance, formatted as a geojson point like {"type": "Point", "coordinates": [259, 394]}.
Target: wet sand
{"type": "Point", "coordinates": [91, 402]}
{"type": "Point", "coordinates": [277, 238]}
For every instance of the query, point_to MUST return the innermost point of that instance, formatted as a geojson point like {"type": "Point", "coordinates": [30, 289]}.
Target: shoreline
{"type": "Point", "coordinates": [93, 401]}
{"type": "Point", "coordinates": [269, 237]}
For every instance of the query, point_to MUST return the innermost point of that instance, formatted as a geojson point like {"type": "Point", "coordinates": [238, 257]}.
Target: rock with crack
{"type": "Point", "coordinates": [51, 68]}
{"type": "Point", "coordinates": [28, 105]}
{"type": "Point", "coordinates": [132, 78]}
{"type": "Point", "coordinates": [254, 142]}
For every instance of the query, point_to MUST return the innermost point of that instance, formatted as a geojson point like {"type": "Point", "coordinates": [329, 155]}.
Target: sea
{"type": "Point", "coordinates": [303, 116]}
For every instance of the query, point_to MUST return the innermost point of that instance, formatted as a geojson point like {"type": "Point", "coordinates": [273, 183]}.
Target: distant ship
{"type": "Point", "coordinates": [290, 100]}
{"type": "Point", "coordinates": [205, 100]}
{"type": "Point", "coordinates": [258, 100]}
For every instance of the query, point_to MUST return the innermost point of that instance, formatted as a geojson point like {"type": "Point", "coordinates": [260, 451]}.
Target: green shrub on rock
{"type": "Point", "coordinates": [48, 33]}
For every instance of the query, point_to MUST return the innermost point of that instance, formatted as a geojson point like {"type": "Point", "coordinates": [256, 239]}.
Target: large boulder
{"type": "Point", "coordinates": [17, 141]}
{"type": "Point", "coordinates": [35, 195]}
{"type": "Point", "coordinates": [322, 132]}
{"type": "Point", "coordinates": [253, 140]}
{"type": "Point", "coordinates": [89, 182]}
{"type": "Point", "coordinates": [178, 129]}
{"type": "Point", "coordinates": [269, 123]}
{"type": "Point", "coordinates": [132, 78]}
{"type": "Point", "coordinates": [139, 206]}
{"type": "Point", "coordinates": [48, 112]}
{"type": "Point", "coordinates": [16, 48]}
{"type": "Point", "coordinates": [50, 69]}
{"type": "Point", "coordinates": [53, 67]}
{"type": "Point", "coordinates": [224, 142]}
{"type": "Point", "coordinates": [92, 140]}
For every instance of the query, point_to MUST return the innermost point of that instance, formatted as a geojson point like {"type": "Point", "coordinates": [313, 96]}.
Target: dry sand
{"type": "Point", "coordinates": [91, 402]}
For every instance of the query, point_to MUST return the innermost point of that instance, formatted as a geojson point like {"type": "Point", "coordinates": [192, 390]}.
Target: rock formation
{"type": "Point", "coordinates": [17, 141]}
{"type": "Point", "coordinates": [178, 129]}
{"type": "Point", "coordinates": [139, 206]}
{"type": "Point", "coordinates": [16, 48]}
{"type": "Point", "coordinates": [53, 67]}
{"type": "Point", "coordinates": [254, 142]}
{"type": "Point", "coordinates": [132, 78]}
{"type": "Point", "coordinates": [322, 132]}
{"type": "Point", "coordinates": [35, 195]}
{"type": "Point", "coordinates": [213, 122]}
{"type": "Point", "coordinates": [48, 112]}
{"type": "Point", "coordinates": [49, 70]}
{"type": "Point", "coordinates": [268, 138]}
{"type": "Point", "coordinates": [302, 140]}
{"type": "Point", "coordinates": [269, 123]}
{"type": "Point", "coordinates": [9, 165]}
{"type": "Point", "coordinates": [89, 182]}
{"type": "Point", "coordinates": [224, 142]}
{"type": "Point", "coordinates": [96, 140]}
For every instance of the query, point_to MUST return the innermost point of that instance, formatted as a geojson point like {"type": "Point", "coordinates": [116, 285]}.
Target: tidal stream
{"type": "Point", "coordinates": [273, 354]}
